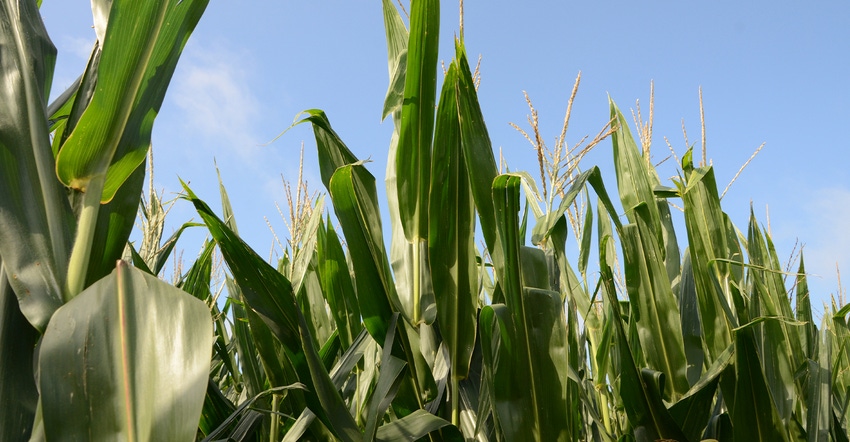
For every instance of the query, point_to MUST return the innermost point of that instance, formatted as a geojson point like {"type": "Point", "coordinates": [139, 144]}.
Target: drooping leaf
{"type": "Point", "coordinates": [36, 222]}
{"type": "Point", "coordinates": [270, 294]}
{"type": "Point", "coordinates": [141, 47]}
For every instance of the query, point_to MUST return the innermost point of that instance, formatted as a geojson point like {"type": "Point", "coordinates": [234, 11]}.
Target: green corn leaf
{"type": "Point", "coordinates": [693, 410]}
{"type": "Point", "coordinates": [352, 190]}
{"type": "Point", "coordinates": [270, 294]}
{"type": "Point", "coordinates": [337, 285]}
{"type": "Point", "coordinates": [397, 37]}
{"type": "Point", "coordinates": [258, 282]}
{"type": "Point", "coordinates": [586, 237]}
{"type": "Point", "coordinates": [36, 221]}
{"type": "Point", "coordinates": [198, 279]}
{"type": "Point", "coordinates": [333, 153]}
{"type": "Point", "coordinates": [17, 376]}
{"type": "Point", "coordinates": [539, 324]}
{"type": "Point", "coordinates": [507, 383]}
{"type": "Point", "coordinates": [127, 348]}
{"type": "Point", "coordinates": [354, 197]}
{"type": "Point", "coordinates": [217, 408]}
{"type": "Point", "coordinates": [254, 377]}
{"type": "Point", "coordinates": [451, 244]}
{"type": "Point", "coordinates": [477, 151]}
{"type": "Point", "coordinates": [413, 157]}
{"type": "Point", "coordinates": [635, 180]}
{"type": "Point", "coordinates": [416, 426]}
{"type": "Point", "coordinates": [389, 381]}
{"type": "Point", "coordinates": [141, 46]}
{"type": "Point", "coordinates": [707, 241]}
{"type": "Point", "coordinates": [654, 307]}
{"type": "Point", "coordinates": [780, 362]}
{"type": "Point", "coordinates": [593, 176]}
{"type": "Point", "coordinates": [818, 395]}
{"type": "Point", "coordinates": [691, 322]}
{"type": "Point", "coordinates": [754, 414]}
{"type": "Point", "coordinates": [115, 222]}
{"type": "Point", "coordinates": [809, 336]}
{"type": "Point", "coordinates": [642, 401]}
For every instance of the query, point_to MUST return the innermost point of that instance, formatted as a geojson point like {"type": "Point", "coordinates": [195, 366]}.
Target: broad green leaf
{"type": "Point", "coordinates": [141, 46]}
{"type": "Point", "coordinates": [646, 412]}
{"type": "Point", "coordinates": [413, 157]}
{"type": "Point", "coordinates": [692, 411]}
{"type": "Point", "coordinates": [451, 247]}
{"type": "Point", "coordinates": [754, 414]}
{"type": "Point", "coordinates": [672, 259]}
{"type": "Point", "coordinates": [707, 241]}
{"type": "Point", "coordinates": [818, 397]}
{"type": "Point", "coordinates": [17, 376]}
{"type": "Point", "coordinates": [477, 151]}
{"type": "Point", "coordinates": [635, 180]}
{"type": "Point", "coordinates": [691, 328]}
{"type": "Point", "coordinates": [258, 282]}
{"type": "Point", "coordinates": [111, 360]}
{"type": "Point", "coordinates": [337, 285]}
{"type": "Point", "coordinates": [653, 305]}
{"type": "Point", "coordinates": [36, 222]}
{"type": "Point", "coordinates": [254, 377]}
{"type": "Point", "coordinates": [539, 351]}
{"type": "Point", "coordinates": [507, 383]}
{"type": "Point", "coordinates": [352, 190]}
{"type": "Point", "coordinates": [66, 110]}
{"type": "Point", "coordinates": [781, 342]}
{"type": "Point", "coordinates": [586, 236]}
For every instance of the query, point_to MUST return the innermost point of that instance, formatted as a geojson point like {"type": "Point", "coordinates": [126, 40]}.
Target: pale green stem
{"type": "Point", "coordinates": [416, 277]}
{"type": "Point", "coordinates": [455, 408]}
{"type": "Point", "coordinates": [275, 420]}
{"type": "Point", "coordinates": [606, 414]}
{"type": "Point", "coordinates": [79, 264]}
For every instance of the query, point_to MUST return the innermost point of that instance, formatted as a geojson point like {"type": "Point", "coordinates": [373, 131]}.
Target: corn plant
{"type": "Point", "coordinates": [434, 338]}
{"type": "Point", "coordinates": [121, 354]}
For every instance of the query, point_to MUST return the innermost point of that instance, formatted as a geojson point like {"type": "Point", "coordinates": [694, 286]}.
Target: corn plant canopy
{"type": "Point", "coordinates": [478, 321]}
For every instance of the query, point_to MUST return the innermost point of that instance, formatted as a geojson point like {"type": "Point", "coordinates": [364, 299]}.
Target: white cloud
{"type": "Point", "coordinates": [211, 88]}
{"type": "Point", "coordinates": [78, 46]}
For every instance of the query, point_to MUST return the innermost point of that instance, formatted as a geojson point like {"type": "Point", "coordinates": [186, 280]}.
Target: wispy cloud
{"type": "Point", "coordinates": [211, 88]}
{"type": "Point", "coordinates": [78, 46]}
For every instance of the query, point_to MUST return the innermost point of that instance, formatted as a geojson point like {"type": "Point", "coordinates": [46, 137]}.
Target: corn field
{"type": "Point", "coordinates": [483, 318]}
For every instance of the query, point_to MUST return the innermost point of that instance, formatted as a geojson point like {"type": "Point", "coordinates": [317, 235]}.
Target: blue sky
{"type": "Point", "coordinates": [771, 72]}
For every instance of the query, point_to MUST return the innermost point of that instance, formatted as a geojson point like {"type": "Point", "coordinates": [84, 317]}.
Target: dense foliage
{"type": "Point", "coordinates": [346, 338]}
